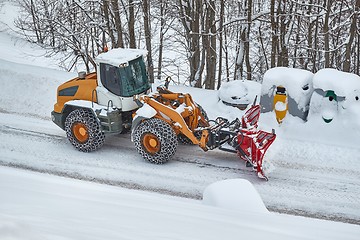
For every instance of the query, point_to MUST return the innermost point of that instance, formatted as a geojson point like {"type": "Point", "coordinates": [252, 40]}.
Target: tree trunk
{"type": "Point", "coordinates": [247, 41]}
{"type": "Point", "coordinates": [131, 25]}
{"type": "Point", "coordinates": [147, 31]}
{"type": "Point", "coordinates": [357, 66]}
{"type": "Point", "coordinates": [107, 22]}
{"type": "Point", "coordinates": [195, 44]}
{"type": "Point", "coordinates": [118, 26]}
{"type": "Point", "coordinates": [346, 64]}
{"type": "Point", "coordinates": [34, 22]}
{"type": "Point", "coordinates": [190, 12]}
{"type": "Point", "coordinates": [226, 56]}
{"type": "Point", "coordinates": [211, 46]}
{"type": "Point", "coordinates": [221, 21]}
{"type": "Point", "coordinates": [326, 29]}
{"type": "Point", "coordinates": [274, 38]}
{"type": "Point", "coordinates": [161, 38]}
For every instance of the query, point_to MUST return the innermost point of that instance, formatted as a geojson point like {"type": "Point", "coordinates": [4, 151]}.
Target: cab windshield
{"type": "Point", "coordinates": [134, 78]}
{"type": "Point", "coordinates": [125, 81]}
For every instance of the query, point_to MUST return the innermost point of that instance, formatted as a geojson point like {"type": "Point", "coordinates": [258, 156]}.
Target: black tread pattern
{"type": "Point", "coordinates": [96, 136]}
{"type": "Point", "coordinates": [166, 136]}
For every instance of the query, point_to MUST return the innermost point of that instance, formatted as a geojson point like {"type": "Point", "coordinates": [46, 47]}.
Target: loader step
{"type": "Point", "coordinates": [110, 121]}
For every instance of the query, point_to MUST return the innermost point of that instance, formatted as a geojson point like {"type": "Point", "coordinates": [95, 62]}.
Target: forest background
{"type": "Point", "coordinates": [200, 43]}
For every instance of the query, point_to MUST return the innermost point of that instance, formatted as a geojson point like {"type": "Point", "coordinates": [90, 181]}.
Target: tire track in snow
{"type": "Point", "coordinates": [179, 157]}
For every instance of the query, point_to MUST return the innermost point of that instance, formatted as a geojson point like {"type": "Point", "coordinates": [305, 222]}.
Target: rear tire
{"type": "Point", "coordinates": [155, 140]}
{"type": "Point", "coordinates": [83, 130]}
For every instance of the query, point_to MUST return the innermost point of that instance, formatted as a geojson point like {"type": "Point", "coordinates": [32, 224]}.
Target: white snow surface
{"type": "Point", "coordinates": [41, 206]}
{"type": "Point", "coordinates": [120, 56]}
{"type": "Point", "coordinates": [234, 194]}
{"type": "Point", "coordinates": [346, 110]}
{"type": "Point", "coordinates": [240, 92]}
{"type": "Point", "coordinates": [280, 106]}
{"type": "Point", "coordinates": [315, 172]}
{"type": "Point", "coordinates": [146, 111]}
{"type": "Point", "coordinates": [342, 83]}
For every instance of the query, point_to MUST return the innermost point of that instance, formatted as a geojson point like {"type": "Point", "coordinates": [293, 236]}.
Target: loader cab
{"type": "Point", "coordinates": [121, 75]}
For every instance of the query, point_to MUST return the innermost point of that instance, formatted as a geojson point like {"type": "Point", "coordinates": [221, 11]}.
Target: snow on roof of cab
{"type": "Point", "coordinates": [342, 83]}
{"type": "Point", "coordinates": [119, 56]}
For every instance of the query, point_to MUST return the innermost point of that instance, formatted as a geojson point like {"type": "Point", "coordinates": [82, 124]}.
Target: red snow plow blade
{"type": "Point", "coordinates": [249, 143]}
{"type": "Point", "coordinates": [253, 143]}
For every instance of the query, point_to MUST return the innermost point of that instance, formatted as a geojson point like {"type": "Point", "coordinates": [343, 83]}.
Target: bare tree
{"type": "Point", "coordinates": [147, 30]}
{"type": "Point", "coordinates": [352, 31]}
{"type": "Point", "coordinates": [118, 23]}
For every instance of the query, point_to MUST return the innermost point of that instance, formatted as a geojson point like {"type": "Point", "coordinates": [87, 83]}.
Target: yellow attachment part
{"type": "Point", "coordinates": [190, 113]}
{"type": "Point", "coordinates": [86, 90]}
{"type": "Point", "coordinates": [280, 112]}
{"type": "Point", "coordinates": [204, 139]}
{"type": "Point", "coordinates": [174, 118]}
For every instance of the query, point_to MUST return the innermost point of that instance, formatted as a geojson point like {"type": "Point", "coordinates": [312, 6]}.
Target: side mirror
{"type": "Point", "coordinates": [167, 81]}
{"type": "Point", "coordinates": [136, 99]}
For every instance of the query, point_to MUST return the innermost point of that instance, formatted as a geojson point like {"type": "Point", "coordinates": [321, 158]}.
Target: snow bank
{"type": "Point", "coordinates": [336, 98]}
{"type": "Point", "coordinates": [14, 48]}
{"type": "Point", "coordinates": [29, 90]}
{"type": "Point", "coordinates": [298, 84]}
{"type": "Point", "coordinates": [234, 194]}
{"type": "Point", "coordinates": [49, 207]}
{"type": "Point", "coordinates": [342, 83]}
{"type": "Point", "coordinates": [240, 92]}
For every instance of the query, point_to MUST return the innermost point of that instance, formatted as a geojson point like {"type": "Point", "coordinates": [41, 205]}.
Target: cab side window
{"type": "Point", "coordinates": [110, 78]}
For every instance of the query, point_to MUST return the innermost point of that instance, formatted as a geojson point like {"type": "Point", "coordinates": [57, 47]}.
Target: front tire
{"type": "Point", "coordinates": [83, 130]}
{"type": "Point", "coordinates": [155, 140]}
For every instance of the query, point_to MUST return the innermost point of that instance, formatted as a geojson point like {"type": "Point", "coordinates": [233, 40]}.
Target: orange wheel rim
{"type": "Point", "coordinates": [151, 143]}
{"type": "Point", "coordinates": [80, 132]}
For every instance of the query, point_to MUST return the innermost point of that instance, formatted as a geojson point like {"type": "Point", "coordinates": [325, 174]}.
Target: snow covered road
{"type": "Point", "coordinates": [298, 185]}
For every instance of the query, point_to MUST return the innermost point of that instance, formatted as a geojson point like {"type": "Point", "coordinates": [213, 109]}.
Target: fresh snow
{"type": "Point", "coordinates": [345, 109]}
{"type": "Point", "coordinates": [294, 80]}
{"type": "Point", "coordinates": [146, 111]}
{"type": "Point", "coordinates": [313, 170]}
{"type": "Point", "coordinates": [119, 56]}
{"type": "Point", "coordinates": [234, 194]}
{"type": "Point", "coordinates": [341, 83]}
{"type": "Point", "coordinates": [40, 206]}
{"type": "Point", "coordinates": [240, 92]}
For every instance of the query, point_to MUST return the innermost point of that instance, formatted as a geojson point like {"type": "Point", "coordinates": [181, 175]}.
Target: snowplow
{"type": "Point", "coordinates": [117, 99]}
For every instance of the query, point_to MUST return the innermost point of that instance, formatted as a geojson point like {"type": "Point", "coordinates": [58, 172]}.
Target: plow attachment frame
{"type": "Point", "coordinates": [244, 138]}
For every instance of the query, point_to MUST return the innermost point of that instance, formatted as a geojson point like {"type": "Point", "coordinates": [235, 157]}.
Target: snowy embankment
{"type": "Point", "coordinates": [25, 89]}
{"type": "Point", "coordinates": [38, 206]}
